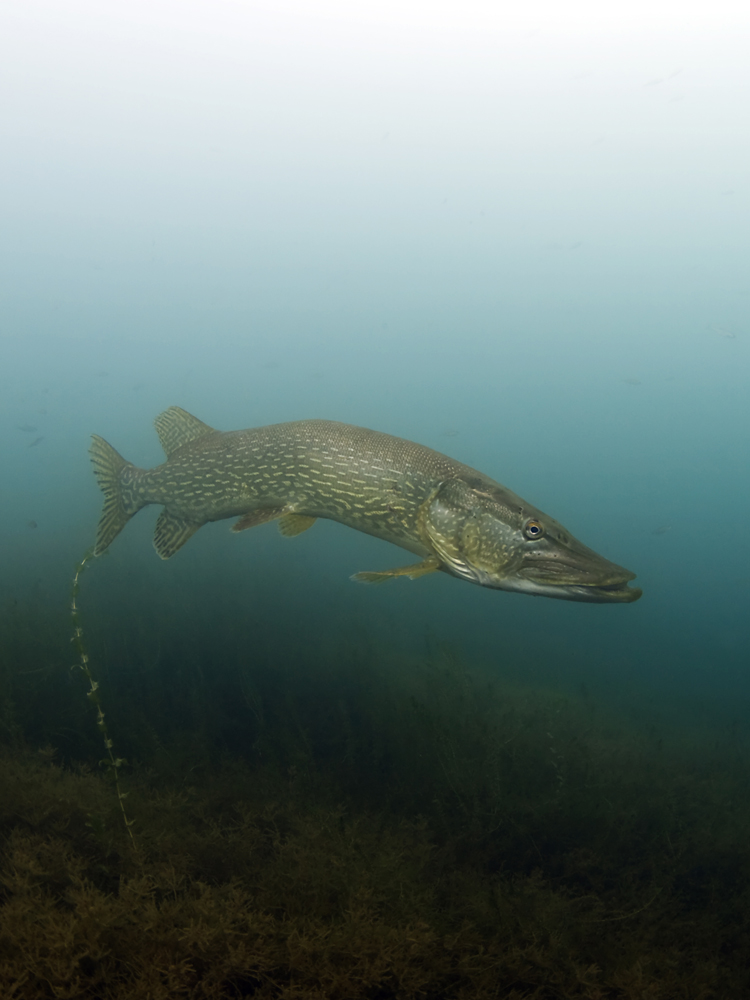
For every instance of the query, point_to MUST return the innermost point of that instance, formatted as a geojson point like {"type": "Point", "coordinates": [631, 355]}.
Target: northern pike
{"type": "Point", "coordinates": [457, 520]}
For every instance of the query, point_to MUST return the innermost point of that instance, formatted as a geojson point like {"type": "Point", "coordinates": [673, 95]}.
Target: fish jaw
{"type": "Point", "coordinates": [598, 581]}
{"type": "Point", "coordinates": [570, 571]}
{"type": "Point", "coordinates": [618, 593]}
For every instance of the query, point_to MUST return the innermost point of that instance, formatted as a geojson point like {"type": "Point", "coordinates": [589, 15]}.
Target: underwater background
{"type": "Point", "coordinates": [516, 236]}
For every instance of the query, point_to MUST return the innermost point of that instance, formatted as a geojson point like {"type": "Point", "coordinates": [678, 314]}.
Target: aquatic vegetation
{"type": "Point", "coordinates": [346, 823]}
{"type": "Point", "coordinates": [111, 762]}
{"type": "Point", "coordinates": [273, 892]}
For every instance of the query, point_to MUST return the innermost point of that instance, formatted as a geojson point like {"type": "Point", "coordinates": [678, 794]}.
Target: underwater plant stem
{"type": "Point", "coordinates": [111, 761]}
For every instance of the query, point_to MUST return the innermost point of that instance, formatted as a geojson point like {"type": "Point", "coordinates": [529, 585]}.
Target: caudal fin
{"type": "Point", "coordinates": [108, 464]}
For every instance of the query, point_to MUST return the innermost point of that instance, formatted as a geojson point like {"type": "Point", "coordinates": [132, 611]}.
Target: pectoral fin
{"type": "Point", "coordinates": [429, 565]}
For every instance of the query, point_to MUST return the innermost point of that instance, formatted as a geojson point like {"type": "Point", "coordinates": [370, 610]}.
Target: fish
{"type": "Point", "coordinates": [35, 442]}
{"type": "Point", "coordinates": [722, 331]}
{"type": "Point", "coordinates": [455, 519]}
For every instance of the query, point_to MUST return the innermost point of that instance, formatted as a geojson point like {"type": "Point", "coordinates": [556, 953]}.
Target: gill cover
{"type": "Point", "coordinates": [459, 528]}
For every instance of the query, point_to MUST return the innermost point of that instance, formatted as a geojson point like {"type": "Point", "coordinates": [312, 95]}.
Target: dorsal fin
{"type": "Point", "coordinates": [176, 427]}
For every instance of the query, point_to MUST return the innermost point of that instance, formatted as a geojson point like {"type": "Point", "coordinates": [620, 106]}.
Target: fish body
{"type": "Point", "coordinates": [456, 519]}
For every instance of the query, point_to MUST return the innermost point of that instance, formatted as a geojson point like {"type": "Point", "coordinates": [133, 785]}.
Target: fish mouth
{"type": "Point", "coordinates": [615, 593]}
{"type": "Point", "coordinates": [590, 593]}
{"type": "Point", "coordinates": [605, 583]}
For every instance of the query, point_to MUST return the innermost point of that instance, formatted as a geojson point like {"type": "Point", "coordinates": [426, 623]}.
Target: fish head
{"type": "Point", "coordinates": [484, 533]}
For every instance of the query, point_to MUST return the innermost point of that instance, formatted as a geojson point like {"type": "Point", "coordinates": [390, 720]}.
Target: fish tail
{"type": "Point", "coordinates": [108, 466]}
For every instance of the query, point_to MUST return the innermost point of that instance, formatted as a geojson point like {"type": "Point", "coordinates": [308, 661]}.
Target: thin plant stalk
{"type": "Point", "coordinates": [110, 761]}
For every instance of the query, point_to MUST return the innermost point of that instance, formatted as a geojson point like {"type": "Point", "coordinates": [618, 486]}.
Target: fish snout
{"type": "Point", "coordinates": [580, 574]}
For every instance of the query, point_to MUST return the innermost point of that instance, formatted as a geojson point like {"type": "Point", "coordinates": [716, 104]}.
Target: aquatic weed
{"type": "Point", "coordinates": [111, 762]}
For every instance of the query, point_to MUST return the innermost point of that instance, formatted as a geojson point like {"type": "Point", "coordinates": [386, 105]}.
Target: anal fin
{"type": "Point", "coordinates": [171, 533]}
{"type": "Point", "coordinates": [294, 524]}
{"type": "Point", "coordinates": [429, 565]}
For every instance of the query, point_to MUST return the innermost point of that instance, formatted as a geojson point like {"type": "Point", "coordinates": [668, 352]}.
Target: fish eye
{"type": "Point", "coordinates": [533, 529]}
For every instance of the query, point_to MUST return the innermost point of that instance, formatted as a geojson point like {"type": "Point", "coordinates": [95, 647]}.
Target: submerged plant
{"type": "Point", "coordinates": [111, 762]}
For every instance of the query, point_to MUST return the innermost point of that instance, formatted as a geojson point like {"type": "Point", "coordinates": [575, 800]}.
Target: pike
{"type": "Point", "coordinates": [457, 520]}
